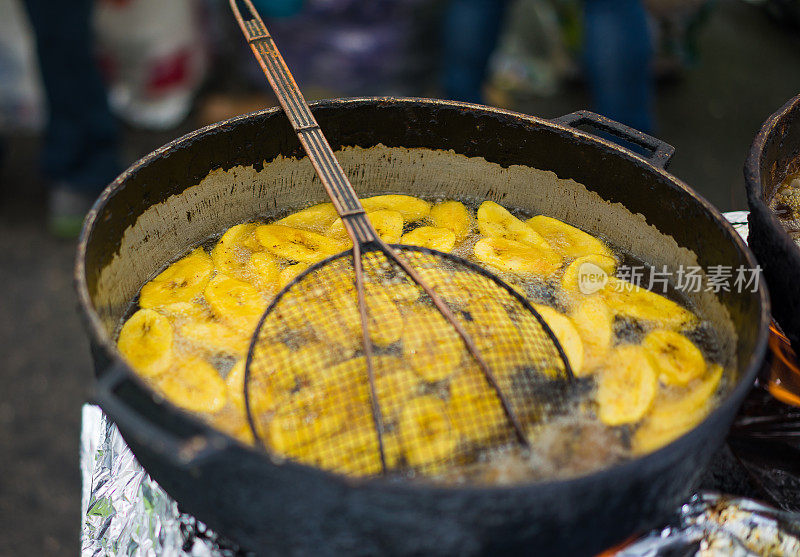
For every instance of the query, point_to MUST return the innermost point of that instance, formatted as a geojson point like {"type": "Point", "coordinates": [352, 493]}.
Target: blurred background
{"type": "Point", "coordinates": [87, 87]}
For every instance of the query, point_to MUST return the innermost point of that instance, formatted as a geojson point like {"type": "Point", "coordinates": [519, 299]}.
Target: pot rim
{"type": "Point", "coordinates": [752, 169]}
{"type": "Point", "coordinates": [98, 334]}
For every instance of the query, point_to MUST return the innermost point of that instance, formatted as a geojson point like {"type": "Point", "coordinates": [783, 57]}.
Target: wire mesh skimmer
{"type": "Point", "coordinates": [386, 359]}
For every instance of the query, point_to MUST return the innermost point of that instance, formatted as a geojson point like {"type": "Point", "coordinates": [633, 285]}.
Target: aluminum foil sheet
{"type": "Point", "coordinates": [126, 513]}
{"type": "Point", "coordinates": [739, 221]}
{"type": "Point", "coordinates": [714, 525]}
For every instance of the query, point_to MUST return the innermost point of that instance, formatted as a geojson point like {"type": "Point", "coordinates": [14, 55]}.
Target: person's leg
{"type": "Point", "coordinates": [471, 30]}
{"type": "Point", "coordinates": [617, 57]}
{"type": "Point", "coordinates": [80, 154]}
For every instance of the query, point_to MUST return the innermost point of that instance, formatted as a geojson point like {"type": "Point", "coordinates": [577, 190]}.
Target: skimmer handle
{"type": "Point", "coordinates": [317, 148]}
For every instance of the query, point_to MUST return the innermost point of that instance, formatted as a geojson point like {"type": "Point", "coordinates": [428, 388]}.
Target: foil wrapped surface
{"type": "Point", "coordinates": [711, 524]}
{"type": "Point", "coordinates": [738, 220]}
{"type": "Point", "coordinates": [126, 513]}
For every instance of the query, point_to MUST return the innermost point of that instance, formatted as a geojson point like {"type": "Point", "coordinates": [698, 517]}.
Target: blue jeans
{"type": "Point", "coordinates": [616, 53]}
{"type": "Point", "coordinates": [82, 136]}
{"type": "Point", "coordinates": [471, 30]}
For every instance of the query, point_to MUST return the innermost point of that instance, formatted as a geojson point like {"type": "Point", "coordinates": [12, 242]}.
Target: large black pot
{"type": "Point", "coordinates": [775, 153]}
{"type": "Point", "coordinates": [215, 177]}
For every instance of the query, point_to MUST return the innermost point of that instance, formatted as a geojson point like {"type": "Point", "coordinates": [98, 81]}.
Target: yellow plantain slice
{"type": "Point", "coordinates": [234, 248]}
{"type": "Point", "coordinates": [497, 338]}
{"type": "Point", "coordinates": [335, 323]}
{"type": "Point", "coordinates": [356, 452]}
{"type": "Point", "coordinates": [194, 385]}
{"type": "Point", "coordinates": [516, 257]}
{"type": "Point", "coordinates": [350, 373]}
{"type": "Point", "coordinates": [594, 324]}
{"type": "Point", "coordinates": [182, 281]}
{"type": "Point", "coordinates": [446, 284]}
{"type": "Point", "coordinates": [347, 389]}
{"type": "Point", "coordinates": [567, 336]}
{"type": "Point", "coordinates": [395, 385]}
{"type": "Point", "coordinates": [236, 302]}
{"type": "Point", "coordinates": [306, 366]}
{"type": "Point", "coordinates": [388, 224]}
{"type": "Point", "coordinates": [588, 274]}
{"type": "Point", "coordinates": [215, 337]}
{"type": "Point", "coordinates": [475, 409]}
{"type": "Point", "coordinates": [491, 327]}
{"type": "Point", "coordinates": [271, 382]}
{"type": "Point", "coordinates": [335, 318]}
{"type": "Point", "coordinates": [626, 299]}
{"type": "Point", "coordinates": [412, 208]}
{"type": "Point", "coordinates": [288, 274]}
{"type": "Point", "coordinates": [383, 319]}
{"type": "Point", "coordinates": [267, 387]}
{"type": "Point", "coordinates": [304, 417]}
{"type": "Point", "coordinates": [430, 345]}
{"type": "Point", "coordinates": [676, 411]}
{"type": "Point", "coordinates": [316, 218]}
{"type": "Point", "coordinates": [626, 386]}
{"type": "Point", "coordinates": [262, 272]}
{"type": "Point", "coordinates": [145, 341]}
{"type": "Point", "coordinates": [431, 237]}
{"type": "Point", "coordinates": [426, 434]}
{"type": "Point", "coordinates": [239, 255]}
{"type": "Point", "coordinates": [234, 383]}
{"type": "Point", "coordinates": [495, 221]}
{"type": "Point", "coordinates": [676, 359]}
{"type": "Point", "coordinates": [184, 312]}
{"type": "Point", "coordinates": [567, 240]}
{"type": "Point", "coordinates": [298, 245]}
{"type": "Point", "coordinates": [400, 290]}
{"type": "Point", "coordinates": [454, 216]}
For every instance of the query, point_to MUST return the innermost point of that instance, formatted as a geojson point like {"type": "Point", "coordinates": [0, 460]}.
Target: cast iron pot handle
{"type": "Point", "coordinates": [183, 452]}
{"type": "Point", "coordinates": [660, 151]}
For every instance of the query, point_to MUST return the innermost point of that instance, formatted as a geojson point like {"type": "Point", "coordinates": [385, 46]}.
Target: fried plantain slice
{"type": "Point", "coordinates": [594, 323]}
{"type": "Point", "coordinates": [183, 281]}
{"type": "Point", "coordinates": [235, 302]}
{"type": "Point", "coordinates": [454, 216]}
{"type": "Point", "coordinates": [626, 386]}
{"type": "Point", "coordinates": [567, 240]}
{"type": "Point", "coordinates": [412, 208]}
{"type": "Point", "coordinates": [515, 257]}
{"type": "Point", "coordinates": [316, 218]}
{"type": "Point", "coordinates": [676, 359]}
{"type": "Point", "coordinates": [298, 245]}
{"type": "Point", "coordinates": [629, 300]}
{"type": "Point", "coordinates": [431, 237]}
{"type": "Point", "coordinates": [567, 336]}
{"type": "Point", "coordinates": [676, 411]}
{"type": "Point", "coordinates": [495, 221]}
{"type": "Point", "coordinates": [388, 224]}
{"type": "Point", "coordinates": [426, 434]}
{"type": "Point", "coordinates": [145, 341]}
{"type": "Point", "coordinates": [194, 385]}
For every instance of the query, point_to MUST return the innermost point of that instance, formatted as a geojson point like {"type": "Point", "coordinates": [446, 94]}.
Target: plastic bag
{"type": "Point", "coordinates": [154, 56]}
{"type": "Point", "coordinates": [21, 96]}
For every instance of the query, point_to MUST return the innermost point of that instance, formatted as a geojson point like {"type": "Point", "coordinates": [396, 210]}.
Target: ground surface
{"type": "Point", "coordinates": [748, 68]}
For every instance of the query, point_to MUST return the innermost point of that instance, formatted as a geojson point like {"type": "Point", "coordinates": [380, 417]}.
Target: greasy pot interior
{"type": "Point", "coordinates": [779, 143]}
{"type": "Point", "coordinates": [251, 166]}
{"type": "Point", "coordinates": [774, 154]}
